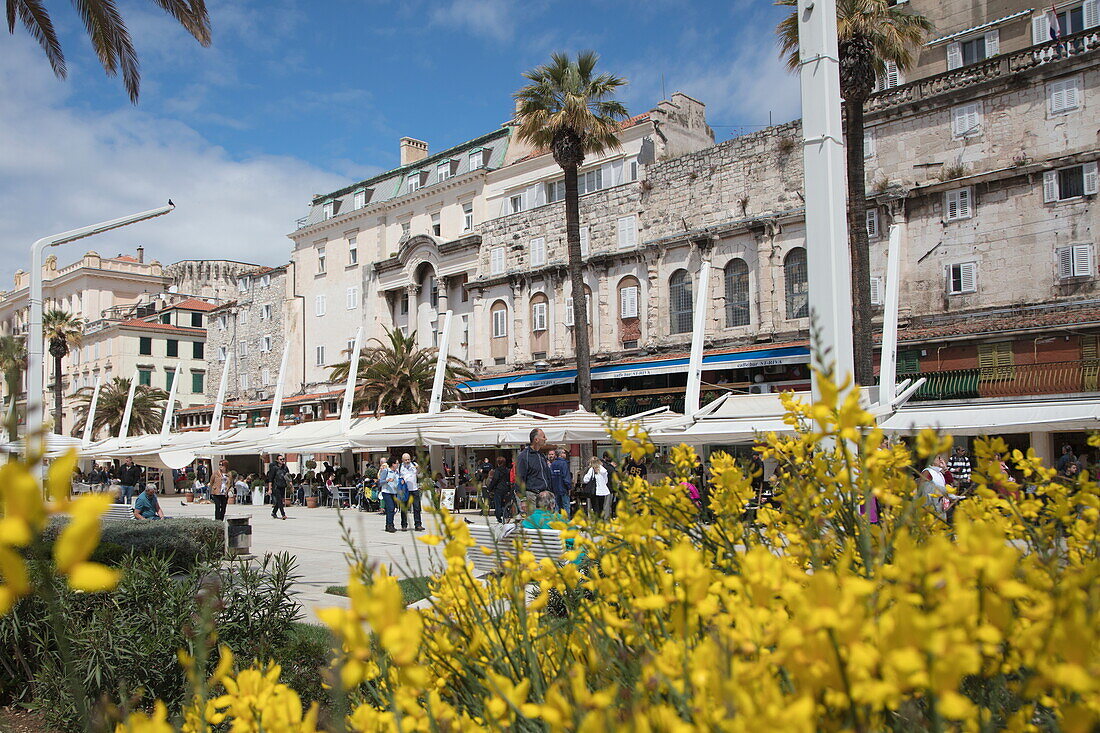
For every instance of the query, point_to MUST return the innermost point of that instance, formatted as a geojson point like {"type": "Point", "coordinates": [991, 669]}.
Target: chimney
{"type": "Point", "coordinates": [413, 150]}
{"type": "Point", "coordinates": [141, 254]}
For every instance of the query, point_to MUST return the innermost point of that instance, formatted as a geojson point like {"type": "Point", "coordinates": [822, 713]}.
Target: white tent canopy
{"type": "Point", "coordinates": [428, 428]}
{"type": "Point", "coordinates": [992, 418]}
{"type": "Point", "coordinates": [56, 445]}
{"type": "Point", "coordinates": [494, 435]}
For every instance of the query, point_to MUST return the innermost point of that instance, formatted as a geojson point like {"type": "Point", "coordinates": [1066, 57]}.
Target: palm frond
{"type": "Point", "coordinates": [146, 415]}
{"type": "Point", "coordinates": [34, 17]}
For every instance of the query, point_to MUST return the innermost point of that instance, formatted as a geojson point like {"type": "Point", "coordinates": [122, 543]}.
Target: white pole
{"type": "Point", "coordinates": [35, 338]}
{"type": "Point", "coordinates": [89, 419]}
{"type": "Point", "coordinates": [216, 420]}
{"type": "Point", "coordinates": [888, 358]}
{"type": "Point", "coordinates": [277, 401]}
{"type": "Point", "coordinates": [124, 428]}
{"type": "Point", "coordinates": [698, 334]}
{"type": "Point", "coordinates": [828, 262]}
{"type": "Point", "coordinates": [349, 388]}
{"type": "Point", "coordinates": [170, 408]}
{"type": "Point", "coordinates": [436, 403]}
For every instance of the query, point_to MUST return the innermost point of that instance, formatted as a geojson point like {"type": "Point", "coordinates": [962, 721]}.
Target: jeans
{"type": "Point", "coordinates": [414, 499]}
{"type": "Point", "coordinates": [219, 505]}
{"type": "Point", "coordinates": [562, 497]}
{"type": "Point", "coordinates": [389, 502]}
{"type": "Point", "coordinates": [127, 493]}
{"type": "Point", "coordinates": [277, 503]}
{"type": "Point", "coordinates": [502, 502]}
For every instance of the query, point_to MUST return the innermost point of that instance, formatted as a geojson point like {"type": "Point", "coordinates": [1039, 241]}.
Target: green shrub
{"type": "Point", "coordinates": [304, 657]}
{"type": "Point", "coordinates": [185, 543]}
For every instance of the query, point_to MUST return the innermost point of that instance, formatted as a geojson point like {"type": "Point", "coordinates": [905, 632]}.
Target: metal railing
{"type": "Point", "coordinates": [1063, 377]}
{"type": "Point", "coordinates": [999, 66]}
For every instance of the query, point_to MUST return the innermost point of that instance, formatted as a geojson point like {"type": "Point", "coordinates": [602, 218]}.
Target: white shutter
{"type": "Point", "coordinates": [1088, 173]}
{"type": "Point", "coordinates": [965, 211]}
{"type": "Point", "coordinates": [538, 252]}
{"type": "Point", "coordinates": [616, 173]}
{"type": "Point", "coordinates": [868, 144]}
{"type": "Point", "coordinates": [1091, 10]}
{"type": "Point", "coordinates": [496, 261]}
{"type": "Point", "coordinates": [957, 204]}
{"type": "Point", "coordinates": [872, 223]}
{"type": "Point", "coordinates": [535, 195]}
{"type": "Point", "coordinates": [1050, 186]}
{"type": "Point", "coordinates": [954, 55]}
{"type": "Point", "coordinates": [968, 278]}
{"type": "Point", "coordinates": [569, 319]}
{"type": "Point", "coordinates": [1065, 262]}
{"type": "Point", "coordinates": [1056, 97]}
{"type": "Point", "coordinates": [1082, 260]}
{"type": "Point", "coordinates": [584, 241]}
{"type": "Point", "coordinates": [319, 305]}
{"type": "Point", "coordinates": [958, 121]}
{"type": "Point", "coordinates": [893, 75]}
{"type": "Point", "coordinates": [992, 43]}
{"type": "Point", "coordinates": [628, 302]}
{"type": "Point", "coordinates": [1072, 93]}
{"type": "Point", "coordinates": [628, 235]}
{"type": "Point", "coordinates": [1040, 28]}
{"type": "Point", "coordinates": [966, 120]}
{"type": "Point", "coordinates": [876, 291]}
{"type": "Point", "coordinates": [538, 317]}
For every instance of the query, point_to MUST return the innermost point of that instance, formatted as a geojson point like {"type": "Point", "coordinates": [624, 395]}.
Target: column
{"type": "Point", "coordinates": [413, 318]}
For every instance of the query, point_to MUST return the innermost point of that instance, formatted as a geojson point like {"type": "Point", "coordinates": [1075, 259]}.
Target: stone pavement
{"type": "Point", "coordinates": [314, 537]}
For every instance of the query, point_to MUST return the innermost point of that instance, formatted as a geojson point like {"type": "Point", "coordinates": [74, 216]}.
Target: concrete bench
{"type": "Point", "coordinates": [119, 511]}
{"type": "Point", "coordinates": [500, 540]}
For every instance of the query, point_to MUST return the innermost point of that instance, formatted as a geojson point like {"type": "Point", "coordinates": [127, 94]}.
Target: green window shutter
{"type": "Point", "coordinates": [995, 355]}
{"type": "Point", "coordinates": [145, 377]}
{"type": "Point", "coordinates": [196, 382]}
{"type": "Point", "coordinates": [145, 346]}
{"type": "Point", "coordinates": [908, 361]}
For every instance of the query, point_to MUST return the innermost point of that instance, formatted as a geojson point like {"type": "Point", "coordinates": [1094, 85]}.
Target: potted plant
{"type": "Point", "coordinates": [310, 478]}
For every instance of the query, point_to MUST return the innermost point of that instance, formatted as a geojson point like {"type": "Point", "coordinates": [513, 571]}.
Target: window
{"type": "Point", "coordinates": [496, 261]}
{"type": "Point", "coordinates": [436, 228]}
{"type": "Point", "coordinates": [166, 318]}
{"type": "Point", "coordinates": [515, 203]}
{"type": "Point", "coordinates": [868, 144]}
{"type": "Point", "coordinates": [405, 228]}
{"type": "Point", "coordinates": [872, 223]}
{"type": "Point", "coordinates": [242, 348]}
{"type": "Point", "coordinates": [265, 377]}
{"type": "Point", "coordinates": [265, 281]}
{"type": "Point", "coordinates": [877, 293]}
{"type": "Point", "coordinates": [360, 199]}
{"type": "Point", "coordinates": [145, 377]}
{"type": "Point", "coordinates": [972, 50]}
{"type": "Point", "coordinates": [350, 348]}
{"type": "Point", "coordinates": [319, 305]}
{"type": "Point", "coordinates": [169, 378]}
{"type": "Point", "coordinates": [352, 297]}
{"type": "Point", "coordinates": [405, 304]}
{"type": "Point", "coordinates": [321, 260]}
{"type": "Point", "coordinates": [242, 285]}
{"type": "Point", "coordinates": [956, 205]}
{"type": "Point", "coordinates": [443, 171]}
{"type": "Point", "coordinates": [244, 382]}
{"type": "Point", "coordinates": [962, 278]}
{"type": "Point", "coordinates": [737, 293]}
{"type": "Point", "coordinates": [584, 242]}
{"type": "Point", "coordinates": [467, 217]}
{"type": "Point", "coordinates": [145, 346]}
{"type": "Point", "coordinates": [477, 159]}
{"type": "Point", "coordinates": [353, 250]}
{"type": "Point", "coordinates": [223, 323]}
{"type": "Point", "coordinates": [995, 361]}
{"type": "Point", "coordinates": [197, 349]}
{"type": "Point", "coordinates": [1075, 261]}
{"type": "Point", "coordinates": [796, 284]}
{"type": "Point", "coordinates": [538, 252]}
{"type": "Point", "coordinates": [265, 312]}
{"type": "Point", "coordinates": [590, 181]}
{"type": "Point", "coordinates": [555, 191]}
{"type": "Point", "coordinates": [433, 291]}
{"type": "Point", "coordinates": [328, 209]}
{"type": "Point", "coordinates": [679, 292]}
{"type": "Point", "coordinates": [569, 318]}
{"type": "Point", "coordinates": [966, 120]}
{"type": "Point", "coordinates": [413, 184]}
{"type": "Point", "coordinates": [320, 355]}
{"type": "Point", "coordinates": [223, 353]}
{"type": "Point", "coordinates": [633, 169]}
{"type": "Point", "coordinates": [242, 317]}
{"type": "Point", "coordinates": [1072, 18]}
{"type": "Point", "coordinates": [628, 302]}
{"type": "Point", "coordinates": [265, 344]}
{"type": "Point", "coordinates": [500, 320]}
{"type": "Point", "coordinates": [1063, 95]}
{"type": "Point", "coordinates": [628, 232]}
{"type": "Point", "coordinates": [890, 79]}
{"type": "Point", "coordinates": [1068, 183]}
{"type": "Point", "coordinates": [172, 347]}
{"type": "Point", "coordinates": [540, 314]}
{"type": "Point", "coordinates": [196, 382]}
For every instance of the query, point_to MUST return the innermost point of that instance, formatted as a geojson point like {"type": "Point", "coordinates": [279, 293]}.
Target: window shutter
{"type": "Point", "coordinates": [893, 75]}
{"type": "Point", "coordinates": [1065, 262]}
{"type": "Point", "coordinates": [628, 302]}
{"type": "Point", "coordinates": [908, 361]}
{"type": "Point", "coordinates": [954, 56]}
{"type": "Point", "coordinates": [1040, 28]}
{"type": "Point", "coordinates": [538, 311]}
{"type": "Point", "coordinates": [992, 43]}
{"type": "Point", "coordinates": [584, 241]}
{"type": "Point", "coordinates": [1091, 11]}
{"type": "Point", "coordinates": [496, 261]}
{"type": "Point", "coordinates": [868, 143]}
{"type": "Point", "coordinates": [968, 277]}
{"type": "Point", "coordinates": [534, 196]}
{"type": "Point", "coordinates": [616, 173]}
{"type": "Point", "coordinates": [1088, 173]}
{"type": "Point", "coordinates": [872, 223]}
{"type": "Point", "coordinates": [1070, 92]}
{"type": "Point", "coordinates": [1056, 97]}
{"type": "Point", "coordinates": [876, 291]}
{"type": "Point", "coordinates": [1082, 260]}
{"type": "Point", "coordinates": [964, 203]}
{"type": "Point", "coordinates": [995, 355]}
{"type": "Point", "coordinates": [538, 252]}
{"type": "Point", "coordinates": [569, 319]}
{"type": "Point", "coordinates": [1090, 347]}
{"type": "Point", "coordinates": [1050, 186]}
{"type": "Point", "coordinates": [627, 233]}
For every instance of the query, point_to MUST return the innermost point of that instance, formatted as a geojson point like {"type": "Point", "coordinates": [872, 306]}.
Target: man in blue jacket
{"type": "Point", "coordinates": [532, 470]}
{"type": "Point", "coordinates": [561, 479]}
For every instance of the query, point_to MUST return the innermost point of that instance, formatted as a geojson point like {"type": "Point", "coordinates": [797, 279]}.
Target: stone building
{"type": "Point", "coordinates": [210, 279]}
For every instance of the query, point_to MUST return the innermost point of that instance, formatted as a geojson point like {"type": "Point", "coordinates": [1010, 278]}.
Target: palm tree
{"type": "Point", "coordinates": [62, 330]}
{"type": "Point", "coordinates": [870, 34]}
{"type": "Point", "coordinates": [396, 377]}
{"type": "Point", "coordinates": [107, 31]}
{"type": "Point", "coordinates": [13, 362]}
{"type": "Point", "coordinates": [146, 414]}
{"type": "Point", "coordinates": [567, 109]}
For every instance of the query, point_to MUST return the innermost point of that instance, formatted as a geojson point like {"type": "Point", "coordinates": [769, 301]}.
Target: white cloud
{"type": "Point", "coordinates": [66, 166]}
{"type": "Point", "coordinates": [488, 18]}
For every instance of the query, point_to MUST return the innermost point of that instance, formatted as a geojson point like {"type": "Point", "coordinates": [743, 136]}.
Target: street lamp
{"type": "Point", "coordinates": [35, 338]}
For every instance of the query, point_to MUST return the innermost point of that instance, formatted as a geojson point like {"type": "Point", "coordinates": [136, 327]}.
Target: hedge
{"type": "Point", "coordinates": [183, 542]}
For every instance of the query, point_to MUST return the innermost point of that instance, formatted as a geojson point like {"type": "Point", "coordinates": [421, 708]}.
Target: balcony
{"type": "Point", "coordinates": [1063, 377]}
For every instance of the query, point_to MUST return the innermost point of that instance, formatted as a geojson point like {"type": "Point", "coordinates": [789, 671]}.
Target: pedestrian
{"type": "Point", "coordinates": [278, 481]}
{"type": "Point", "coordinates": [202, 480]}
{"type": "Point", "coordinates": [960, 467]}
{"type": "Point", "coordinates": [485, 471]}
{"type": "Point", "coordinates": [219, 489]}
{"type": "Point", "coordinates": [387, 488]}
{"type": "Point", "coordinates": [146, 505]}
{"type": "Point", "coordinates": [1065, 459]}
{"type": "Point", "coordinates": [532, 469]}
{"type": "Point", "coordinates": [129, 476]}
{"type": "Point", "coordinates": [561, 479]}
{"type": "Point", "coordinates": [933, 486]}
{"type": "Point", "coordinates": [598, 481]}
{"type": "Point", "coordinates": [240, 486]}
{"type": "Point", "coordinates": [499, 488]}
{"type": "Point", "coordinates": [407, 482]}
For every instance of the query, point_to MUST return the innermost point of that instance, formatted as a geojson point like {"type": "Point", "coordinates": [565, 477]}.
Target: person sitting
{"type": "Point", "coordinates": [546, 512]}
{"type": "Point", "coordinates": [146, 505]}
{"type": "Point", "coordinates": [240, 486]}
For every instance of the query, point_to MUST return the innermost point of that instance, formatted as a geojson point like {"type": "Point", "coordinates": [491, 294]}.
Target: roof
{"type": "Point", "coordinates": [123, 258]}
{"type": "Point", "coordinates": [265, 270]}
{"type": "Point", "coordinates": [157, 326]}
{"type": "Point", "coordinates": [975, 323]}
{"type": "Point", "coordinates": [193, 304]}
{"type": "Point", "coordinates": [976, 28]}
{"type": "Point", "coordinates": [253, 405]}
{"type": "Point", "coordinates": [627, 123]}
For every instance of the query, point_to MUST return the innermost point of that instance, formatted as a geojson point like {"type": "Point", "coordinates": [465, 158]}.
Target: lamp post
{"type": "Point", "coordinates": [35, 338]}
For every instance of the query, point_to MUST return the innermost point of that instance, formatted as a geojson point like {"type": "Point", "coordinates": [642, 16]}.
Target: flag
{"type": "Point", "coordinates": [1055, 26]}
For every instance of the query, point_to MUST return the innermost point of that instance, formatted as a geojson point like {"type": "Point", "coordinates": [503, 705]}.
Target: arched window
{"type": "Point", "coordinates": [498, 325]}
{"type": "Point", "coordinates": [540, 325]}
{"type": "Point", "coordinates": [737, 293]}
{"type": "Point", "coordinates": [679, 296]}
{"type": "Point", "coordinates": [798, 291]}
{"type": "Point", "coordinates": [630, 324]}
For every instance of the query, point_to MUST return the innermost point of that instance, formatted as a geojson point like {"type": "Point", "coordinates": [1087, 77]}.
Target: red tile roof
{"type": "Point", "coordinates": [125, 258]}
{"type": "Point", "coordinates": [266, 403]}
{"type": "Point", "coordinates": [193, 304]}
{"type": "Point", "coordinates": [976, 324]}
{"type": "Point", "coordinates": [157, 326]}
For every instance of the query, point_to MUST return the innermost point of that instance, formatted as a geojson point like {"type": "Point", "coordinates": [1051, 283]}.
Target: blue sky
{"type": "Point", "coordinates": [298, 97]}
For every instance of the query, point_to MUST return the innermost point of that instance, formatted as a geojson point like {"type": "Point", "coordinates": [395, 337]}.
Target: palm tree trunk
{"type": "Point", "coordinates": [576, 279]}
{"type": "Point", "coordinates": [57, 395]}
{"type": "Point", "coordinates": [862, 326]}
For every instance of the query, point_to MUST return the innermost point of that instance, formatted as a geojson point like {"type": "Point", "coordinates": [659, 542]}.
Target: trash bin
{"type": "Point", "coordinates": [238, 535]}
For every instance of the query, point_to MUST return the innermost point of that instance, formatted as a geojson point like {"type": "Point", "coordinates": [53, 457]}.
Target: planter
{"type": "Point", "coordinates": [190, 496]}
{"type": "Point", "coordinates": [311, 502]}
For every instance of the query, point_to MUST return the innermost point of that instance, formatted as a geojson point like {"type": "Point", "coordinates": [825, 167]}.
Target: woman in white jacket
{"type": "Point", "coordinates": [597, 473]}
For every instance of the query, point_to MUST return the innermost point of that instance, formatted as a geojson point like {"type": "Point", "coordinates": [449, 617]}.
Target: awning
{"type": "Point", "coordinates": [994, 418]}
{"type": "Point", "coordinates": [424, 428]}
{"type": "Point", "coordinates": [494, 435]}
{"type": "Point", "coordinates": [736, 360]}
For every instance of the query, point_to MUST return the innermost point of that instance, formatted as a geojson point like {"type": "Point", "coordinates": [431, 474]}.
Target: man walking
{"type": "Point", "coordinates": [959, 465]}
{"type": "Point", "coordinates": [532, 470]}
{"type": "Point", "coordinates": [129, 476]}
{"type": "Point", "coordinates": [561, 479]}
{"type": "Point", "coordinates": [407, 474]}
{"type": "Point", "coordinates": [278, 481]}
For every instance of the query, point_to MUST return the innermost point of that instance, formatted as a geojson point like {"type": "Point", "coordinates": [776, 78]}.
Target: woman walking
{"type": "Point", "coordinates": [499, 488]}
{"type": "Point", "coordinates": [597, 472]}
{"type": "Point", "coordinates": [219, 489]}
{"type": "Point", "coordinates": [387, 489]}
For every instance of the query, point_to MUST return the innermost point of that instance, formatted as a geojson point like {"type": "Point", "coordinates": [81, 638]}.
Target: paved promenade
{"type": "Point", "coordinates": [314, 537]}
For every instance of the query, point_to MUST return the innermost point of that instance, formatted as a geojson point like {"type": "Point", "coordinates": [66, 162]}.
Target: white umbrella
{"type": "Point", "coordinates": [496, 434]}
{"type": "Point", "coordinates": [579, 426]}
{"type": "Point", "coordinates": [428, 428]}
{"type": "Point", "coordinates": [56, 445]}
